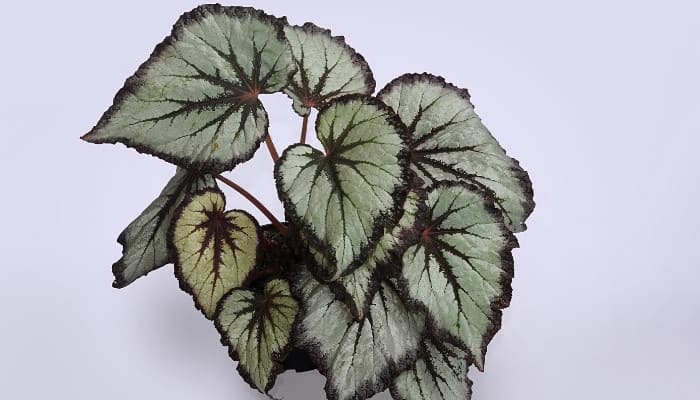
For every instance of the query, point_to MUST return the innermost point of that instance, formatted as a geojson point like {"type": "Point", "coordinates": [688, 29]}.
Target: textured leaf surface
{"type": "Point", "coordinates": [440, 374]}
{"type": "Point", "coordinates": [194, 102]}
{"type": "Point", "coordinates": [360, 285]}
{"type": "Point", "coordinates": [342, 199]}
{"type": "Point", "coordinates": [326, 68]}
{"type": "Point", "coordinates": [461, 269]}
{"type": "Point", "coordinates": [215, 250]}
{"type": "Point", "coordinates": [145, 240]}
{"type": "Point", "coordinates": [358, 358]}
{"type": "Point", "coordinates": [257, 329]}
{"type": "Point", "coordinates": [449, 142]}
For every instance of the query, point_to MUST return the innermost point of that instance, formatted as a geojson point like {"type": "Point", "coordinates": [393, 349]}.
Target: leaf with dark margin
{"type": "Point", "coordinates": [440, 374]}
{"type": "Point", "coordinates": [449, 142]}
{"type": "Point", "coordinates": [461, 270]}
{"type": "Point", "coordinates": [194, 102]}
{"type": "Point", "coordinates": [214, 250]}
{"type": "Point", "coordinates": [257, 329]}
{"type": "Point", "coordinates": [359, 286]}
{"type": "Point", "coordinates": [327, 68]}
{"type": "Point", "coordinates": [341, 200]}
{"type": "Point", "coordinates": [145, 240]}
{"type": "Point", "coordinates": [358, 358]}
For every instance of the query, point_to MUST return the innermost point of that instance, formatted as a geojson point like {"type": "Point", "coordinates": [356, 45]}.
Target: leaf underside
{"type": "Point", "coordinates": [144, 241]}
{"type": "Point", "coordinates": [194, 102]}
{"type": "Point", "coordinates": [440, 374]}
{"type": "Point", "coordinates": [358, 358]}
{"type": "Point", "coordinates": [341, 200]}
{"type": "Point", "coordinates": [449, 142]}
{"type": "Point", "coordinates": [461, 269]}
{"type": "Point", "coordinates": [327, 68]}
{"type": "Point", "coordinates": [257, 329]}
{"type": "Point", "coordinates": [214, 250]}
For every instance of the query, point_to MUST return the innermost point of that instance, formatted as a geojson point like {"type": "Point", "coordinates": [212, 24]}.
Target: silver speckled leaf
{"type": "Point", "coordinates": [194, 102]}
{"type": "Point", "coordinates": [449, 142]}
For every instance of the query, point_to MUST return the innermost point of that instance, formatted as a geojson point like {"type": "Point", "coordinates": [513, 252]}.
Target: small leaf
{"type": "Point", "coordinates": [449, 142]}
{"type": "Point", "coordinates": [358, 358]}
{"type": "Point", "coordinates": [194, 102]}
{"type": "Point", "coordinates": [257, 328]}
{"type": "Point", "coordinates": [215, 250]}
{"type": "Point", "coordinates": [360, 285]}
{"type": "Point", "coordinates": [441, 374]}
{"type": "Point", "coordinates": [342, 199]}
{"type": "Point", "coordinates": [327, 68]}
{"type": "Point", "coordinates": [461, 269]}
{"type": "Point", "coordinates": [145, 240]}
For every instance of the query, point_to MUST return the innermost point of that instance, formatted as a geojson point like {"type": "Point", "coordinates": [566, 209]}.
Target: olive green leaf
{"type": "Point", "coordinates": [214, 250]}
{"type": "Point", "coordinates": [341, 199]}
{"type": "Point", "coordinates": [461, 269]}
{"type": "Point", "coordinates": [194, 102]}
{"type": "Point", "coordinates": [358, 358]}
{"type": "Point", "coordinates": [449, 142]}
{"type": "Point", "coordinates": [257, 329]}
{"type": "Point", "coordinates": [145, 240]}
{"type": "Point", "coordinates": [326, 68]}
{"type": "Point", "coordinates": [440, 374]}
{"type": "Point", "coordinates": [360, 285]}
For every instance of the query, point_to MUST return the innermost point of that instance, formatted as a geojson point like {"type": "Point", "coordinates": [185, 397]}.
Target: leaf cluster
{"type": "Point", "coordinates": [394, 264]}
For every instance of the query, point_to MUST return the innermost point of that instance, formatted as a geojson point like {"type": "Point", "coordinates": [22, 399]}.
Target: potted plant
{"type": "Point", "coordinates": [394, 262]}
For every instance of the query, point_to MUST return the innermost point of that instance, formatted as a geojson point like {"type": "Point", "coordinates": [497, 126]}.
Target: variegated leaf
{"type": "Point", "coordinates": [461, 269]}
{"type": "Point", "coordinates": [215, 250]}
{"type": "Point", "coordinates": [450, 142]}
{"type": "Point", "coordinates": [194, 102]}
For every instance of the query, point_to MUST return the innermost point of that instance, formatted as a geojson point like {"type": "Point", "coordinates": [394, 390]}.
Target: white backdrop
{"type": "Point", "coordinates": [599, 101]}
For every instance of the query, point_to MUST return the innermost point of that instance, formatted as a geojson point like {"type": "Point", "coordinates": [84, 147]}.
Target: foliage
{"type": "Point", "coordinates": [395, 262]}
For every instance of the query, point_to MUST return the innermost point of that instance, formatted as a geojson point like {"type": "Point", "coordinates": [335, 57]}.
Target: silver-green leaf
{"type": "Point", "coordinates": [450, 142]}
{"type": "Point", "coordinates": [145, 240]}
{"type": "Point", "coordinates": [358, 358]}
{"type": "Point", "coordinates": [440, 374]}
{"type": "Point", "coordinates": [194, 102]}
{"type": "Point", "coordinates": [214, 250]}
{"type": "Point", "coordinates": [327, 68]}
{"type": "Point", "coordinates": [461, 269]}
{"type": "Point", "coordinates": [342, 198]}
{"type": "Point", "coordinates": [257, 329]}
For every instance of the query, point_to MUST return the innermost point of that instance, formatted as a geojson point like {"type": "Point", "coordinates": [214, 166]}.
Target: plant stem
{"type": "Point", "coordinates": [278, 225]}
{"type": "Point", "coordinates": [271, 147]}
{"type": "Point", "coordinates": [304, 127]}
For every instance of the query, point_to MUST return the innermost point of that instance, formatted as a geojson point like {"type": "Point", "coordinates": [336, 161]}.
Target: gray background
{"type": "Point", "coordinates": [599, 101]}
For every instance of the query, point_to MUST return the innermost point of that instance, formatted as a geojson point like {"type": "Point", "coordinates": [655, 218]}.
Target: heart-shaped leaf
{"type": "Point", "coordinates": [257, 329]}
{"type": "Point", "coordinates": [194, 102]}
{"type": "Point", "coordinates": [214, 250]}
{"type": "Point", "coordinates": [358, 358]}
{"type": "Point", "coordinates": [343, 198]}
{"type": "Point", "coordinates": [461, 269]}
{"type": "Point", "coordinates": [449, 142]}
{"type": "Point", "coordinates": [359, 286]}
{"type": "Point", "coordinates": [326, 68]}
{"type": "Point", "coordinates": [145, 240]}
{"type": "Point", "coordinates": [440, 374]}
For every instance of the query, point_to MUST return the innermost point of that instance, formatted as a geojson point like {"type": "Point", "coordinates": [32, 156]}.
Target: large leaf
{"type": "Point", "coordinates": [214, 250]}
{"type": "Point", "coordinates": [194, 102]}
{"type": "Point", "coordinates": [327, 68]}
{"type": "Point", "coordinates": [145, 240]}
{"type": "Point", "coordinates": [257, 329]}
{"type": "Point", "coordinates": [461, 269]}
{"type": "Point", "coordinates": [358, 358]}
{"type": "Point", "coordinates": [359, 286]}
{"type": "Point", "coordinates": [440, 374]}
{"type": "Point", "coordinates": [449, 142]}
{"type": "Point", "coordinates": [341, 199]}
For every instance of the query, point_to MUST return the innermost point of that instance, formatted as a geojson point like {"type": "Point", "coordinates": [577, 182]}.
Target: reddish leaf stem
{"type": "Point", "coordinates": [304, 127]}
{"type": "Point", "coordinates": [271, 147]}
